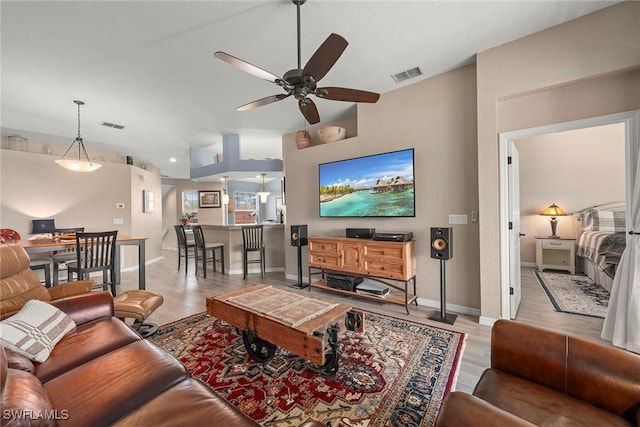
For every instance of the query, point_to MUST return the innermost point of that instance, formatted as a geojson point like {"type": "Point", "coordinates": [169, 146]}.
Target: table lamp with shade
{"type": "Point", "coordinates": [553, 211]}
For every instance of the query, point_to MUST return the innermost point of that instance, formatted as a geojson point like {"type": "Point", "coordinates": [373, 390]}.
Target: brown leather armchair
{"type": "Point", "coordinates": [18, 284]}
{"type": "Point", "coordinates": [544, 378]}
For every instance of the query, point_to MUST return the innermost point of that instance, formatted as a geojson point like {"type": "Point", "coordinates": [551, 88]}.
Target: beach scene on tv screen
{"type": "Point", "coordinates": [378, 185]}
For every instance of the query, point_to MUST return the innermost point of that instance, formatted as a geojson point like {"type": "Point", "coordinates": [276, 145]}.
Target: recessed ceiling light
{"type": "Point", "coordinates": [173, 160]}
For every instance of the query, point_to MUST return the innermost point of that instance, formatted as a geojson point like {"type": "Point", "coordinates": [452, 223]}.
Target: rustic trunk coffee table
{"type": "Point", "coordinates": [268, 317]}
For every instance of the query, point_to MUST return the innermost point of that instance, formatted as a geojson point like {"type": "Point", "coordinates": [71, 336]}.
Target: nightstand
{"type": "Point", "coordinates": [557, 254]}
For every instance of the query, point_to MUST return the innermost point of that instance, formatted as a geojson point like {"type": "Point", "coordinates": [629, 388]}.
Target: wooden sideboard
{"type": "Point", "coordinates": [384, 262]}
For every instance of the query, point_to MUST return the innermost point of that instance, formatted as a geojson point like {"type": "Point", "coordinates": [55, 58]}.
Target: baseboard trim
{"type": "Point", "coordinates": [487, 321]}
{"type": "Point", "coordinates": [455, 308]}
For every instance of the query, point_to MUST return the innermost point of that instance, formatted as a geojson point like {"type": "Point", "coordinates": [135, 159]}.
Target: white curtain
{"type": "Point", "coordinates": [622, 322]}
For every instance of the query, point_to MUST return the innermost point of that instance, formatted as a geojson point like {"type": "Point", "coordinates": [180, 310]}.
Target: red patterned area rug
{"type": "Point", "coordinates": [394, 373]}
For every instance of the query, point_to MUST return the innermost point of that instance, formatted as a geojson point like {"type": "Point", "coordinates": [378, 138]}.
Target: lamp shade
{"type": "Point", "coordinates": [553, 210]}
{"type": "Point", "coordinates": [39, 226]}
{"type": "Point", "coordinates": [78, 165]}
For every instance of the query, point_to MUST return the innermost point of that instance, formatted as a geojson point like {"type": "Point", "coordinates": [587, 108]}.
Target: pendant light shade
{"type": "Point", "coordinates": [78, 165]}
{"type": "Point", "coordinates": [225, 196]}
{"type": "Point", "coordinates": [263, 194]}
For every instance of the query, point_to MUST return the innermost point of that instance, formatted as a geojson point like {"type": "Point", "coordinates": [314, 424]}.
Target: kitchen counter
{"type": "Point", "coordinates": [231, 237]}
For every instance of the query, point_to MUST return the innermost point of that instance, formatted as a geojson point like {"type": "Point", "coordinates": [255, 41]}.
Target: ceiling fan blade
{"type": "Point", "coordinates": [309, 111]}
{"type": "Point", "coordinates": [263, 101]}
{"type": "Point", "coordinates": [324, 58]}
{"type": "Point", "coordinates": [245, 66]}
{"type": "Point", "coordinates": [346, 94]}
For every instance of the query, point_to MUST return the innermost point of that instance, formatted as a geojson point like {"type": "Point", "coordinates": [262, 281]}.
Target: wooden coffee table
{"type": "Point", "coordinates": [269, 317]}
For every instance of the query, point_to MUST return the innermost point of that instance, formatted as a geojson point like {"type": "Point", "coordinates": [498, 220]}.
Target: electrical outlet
{"type": "Point", "coordinates": [119, 205]}
{"type": "Point", "coordinates": [118, 221]}
{"type": "Point", "coordinates": [474, 216]}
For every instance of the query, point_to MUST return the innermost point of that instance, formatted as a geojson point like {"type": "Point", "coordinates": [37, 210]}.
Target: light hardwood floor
{"type": "Point", "coordinates": [185, 295]}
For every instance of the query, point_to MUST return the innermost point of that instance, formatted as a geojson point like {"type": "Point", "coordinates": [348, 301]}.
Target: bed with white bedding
{"type": "Point", "coordinates": [601, 241]}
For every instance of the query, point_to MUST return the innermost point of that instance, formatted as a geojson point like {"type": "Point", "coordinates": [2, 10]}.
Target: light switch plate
{"type": "Point", "coordinates": [458, 219]}
{"type": "Point", "coordinates": [118, 221]}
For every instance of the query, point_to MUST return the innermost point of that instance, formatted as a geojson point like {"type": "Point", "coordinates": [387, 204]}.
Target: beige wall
{"type": "Point", "coordinates": [172, 207]}
{"type": "Point", "coordinates": [436, 117]}
{"type": "Point", "coordinates": [33, 186]}
{"type": "Point", "coordinates": [568, 72]}
{"type": "Point", "coordinates": [573, 169]}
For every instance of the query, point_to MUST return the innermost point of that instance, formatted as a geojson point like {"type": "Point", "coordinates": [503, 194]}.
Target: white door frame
{"type": "Point", "coordinates": [631, 120]}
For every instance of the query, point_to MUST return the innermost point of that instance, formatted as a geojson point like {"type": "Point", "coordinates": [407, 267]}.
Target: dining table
{"type": "Point", "coordinates": [61, 243]}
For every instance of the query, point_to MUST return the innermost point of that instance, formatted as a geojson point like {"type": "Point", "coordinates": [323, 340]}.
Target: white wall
{"type": "Point", "coordinates": [573, 169]}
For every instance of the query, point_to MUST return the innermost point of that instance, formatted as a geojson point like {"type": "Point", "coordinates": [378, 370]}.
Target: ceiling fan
{"type": "Point", "coordinates": [302, 82]}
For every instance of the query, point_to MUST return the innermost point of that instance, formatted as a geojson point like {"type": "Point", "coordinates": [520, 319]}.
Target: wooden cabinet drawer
{"type": "Point", "coordinates": [391, 252]}
{"type": "Point", "coordinates": [383, 269]}
{"type": "Point", "coordinates": [557, 244]}
{"type": "Point", "coordinates": [323, 246]}
{"type": "Point", "coordinates": [323, 260]}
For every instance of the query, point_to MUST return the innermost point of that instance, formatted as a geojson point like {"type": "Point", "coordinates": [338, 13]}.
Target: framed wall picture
{"type": "Point", "coordinates": [147, 201]}
{"type": "Point", "coordinates": [209, 199]}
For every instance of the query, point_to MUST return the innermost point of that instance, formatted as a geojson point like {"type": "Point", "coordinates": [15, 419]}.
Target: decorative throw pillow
{"type": "Point", "coordinates": [35, 330]}
{"type": "Point", "coordinates": [612, 221]}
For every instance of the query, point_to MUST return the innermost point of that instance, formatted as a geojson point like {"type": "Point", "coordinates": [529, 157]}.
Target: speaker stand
{"type": "Point", "coordinates": [299, 285]}
{"type": "Point", "coordinates": [442, 315]}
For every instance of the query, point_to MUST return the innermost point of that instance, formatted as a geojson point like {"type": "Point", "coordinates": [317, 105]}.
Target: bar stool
{"type": "Point", "coordinates": [183, 247]}
{"type": "Point", "coordinates": [202, 250]}
{"type": "Point", "coordinates": [252, 243]}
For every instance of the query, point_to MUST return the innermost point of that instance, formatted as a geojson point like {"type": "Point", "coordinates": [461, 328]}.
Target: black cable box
{"type": "Point", "coordinates": [394, 237]}
{"type": "Point", "coordinates": [346, 283]}
{"type": "Point", "coordinates": [360, 233]}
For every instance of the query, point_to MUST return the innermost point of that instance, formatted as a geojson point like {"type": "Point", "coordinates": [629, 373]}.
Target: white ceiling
{"type": "Point", "coordinates": [149, 65]}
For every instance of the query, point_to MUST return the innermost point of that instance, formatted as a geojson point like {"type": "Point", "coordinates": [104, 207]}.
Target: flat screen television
{"type": "Point", "coordinates": [380, 185]}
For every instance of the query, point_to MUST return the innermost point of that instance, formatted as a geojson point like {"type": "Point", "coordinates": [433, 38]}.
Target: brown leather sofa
{"type": "Point", "coordinates": [544, 378]}
{"type": "Point", "coordinates": [102, 373]}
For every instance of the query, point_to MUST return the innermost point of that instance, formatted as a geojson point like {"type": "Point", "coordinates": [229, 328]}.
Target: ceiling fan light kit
{"type": "Point", "coordinates": [302, 82]}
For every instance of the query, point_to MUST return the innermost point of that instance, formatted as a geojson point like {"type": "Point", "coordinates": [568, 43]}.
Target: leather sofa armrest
{"type": "Point", "coordinates": [461, 409]}
{"type": "Point", "coordinates": [86, 307]}
{"type": "Point", "coordinates": [71, 288]}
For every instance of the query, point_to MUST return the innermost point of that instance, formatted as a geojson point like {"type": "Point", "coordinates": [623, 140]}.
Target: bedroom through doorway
{"type": "Point", "coordinates": [575, 165]}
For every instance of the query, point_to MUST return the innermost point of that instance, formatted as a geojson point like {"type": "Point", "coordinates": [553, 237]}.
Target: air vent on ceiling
{"type": "Point", "coordinates": [406, 75]}
{"type": "Point", "coordinates": [112, 125]}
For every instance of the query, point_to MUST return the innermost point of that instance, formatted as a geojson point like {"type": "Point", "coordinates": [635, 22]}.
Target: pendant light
{"type": "Point", "coordinates": [263, 194]}
{"type": "Point", "coordinates": [78, 165]}
{"type": "Point", "coordinates": [225, 196]}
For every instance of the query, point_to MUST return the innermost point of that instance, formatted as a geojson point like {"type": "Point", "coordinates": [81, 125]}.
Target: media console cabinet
{"type": "Point", "coordinates": [384, 262]}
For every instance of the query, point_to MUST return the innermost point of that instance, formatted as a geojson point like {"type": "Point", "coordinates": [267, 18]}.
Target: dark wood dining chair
{"type": "Point", "coordinates": [60, 258]}
{"type": "Point", "coordinates": [184, 247]}
{"type": "Point", "coordinates": [203, 250]}
{"type": "Point", "coordinates": [252, 243]}
{"type": "Point", "coordinates": [95, 252]}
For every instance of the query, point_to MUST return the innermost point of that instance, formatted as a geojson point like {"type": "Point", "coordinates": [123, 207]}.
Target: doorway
{"type": "Point", "coordinates": [630, 120]}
